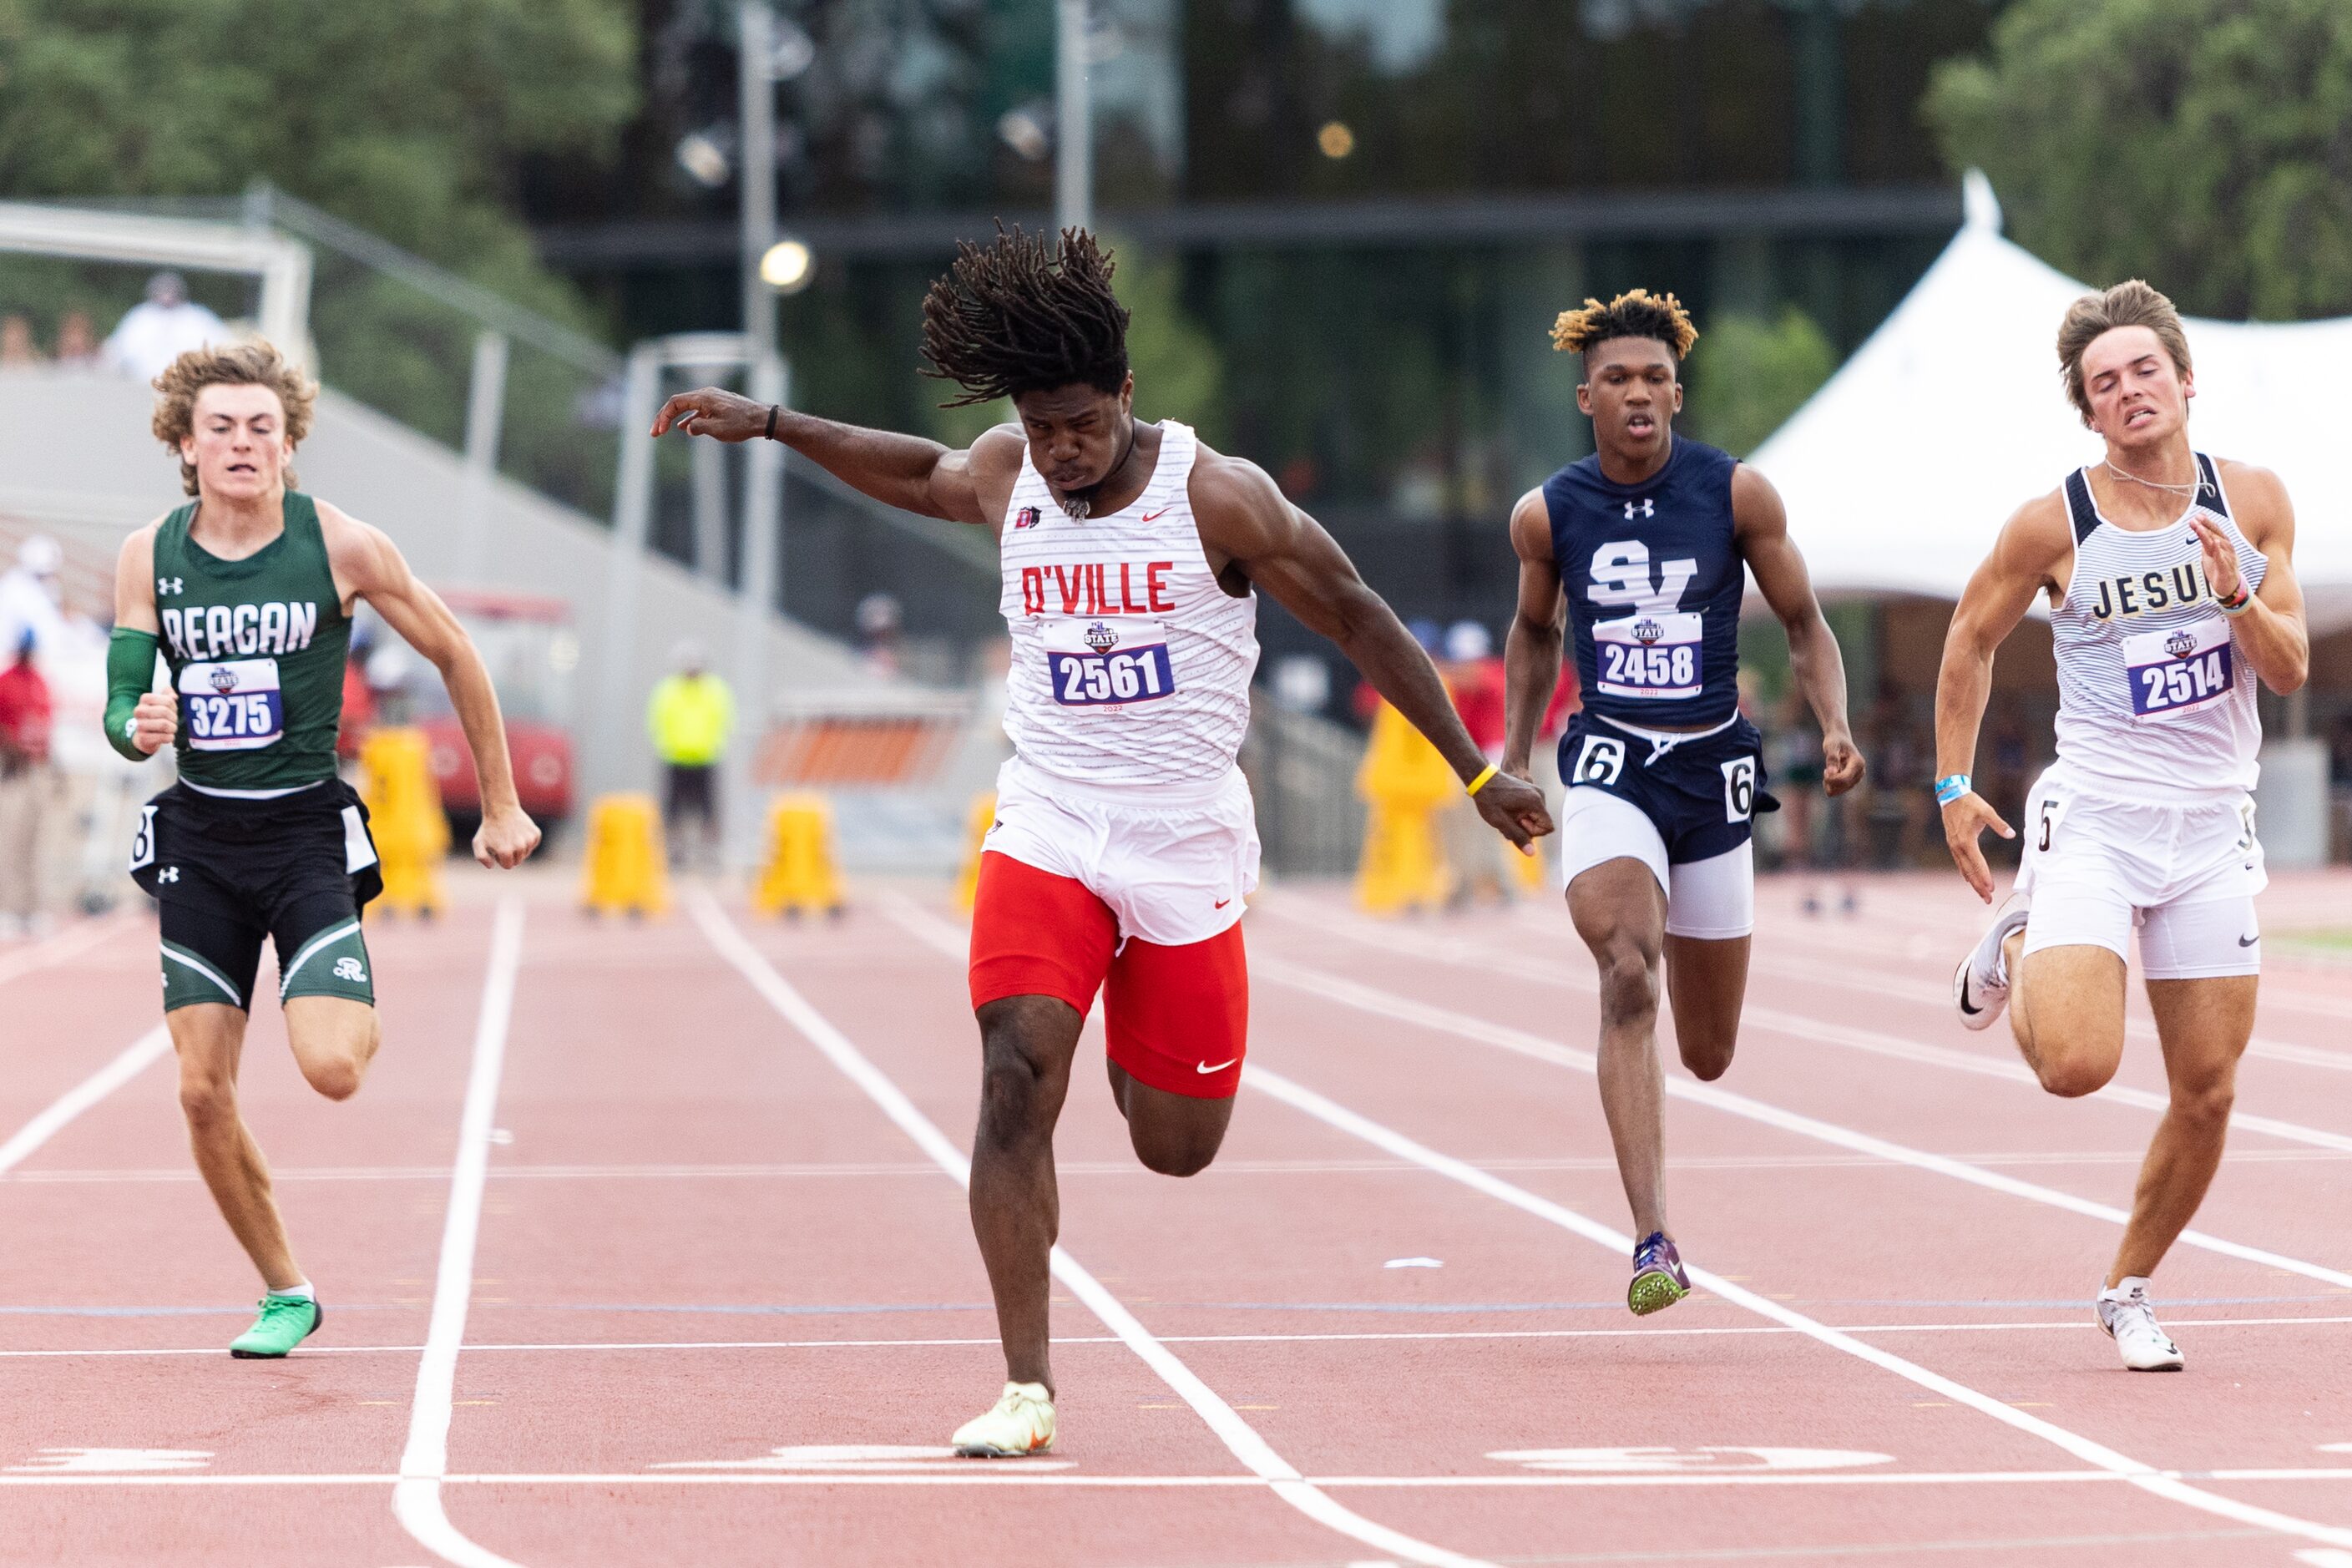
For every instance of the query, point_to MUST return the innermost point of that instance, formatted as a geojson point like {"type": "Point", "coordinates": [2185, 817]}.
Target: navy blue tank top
{"type": "Point", "coordinates": [1654, 579]}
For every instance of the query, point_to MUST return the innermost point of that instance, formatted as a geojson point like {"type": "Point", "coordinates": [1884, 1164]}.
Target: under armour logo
{"type": "Point", "coordinates": [1648, 507]}
{"type": "Point", "coordinates": [168, 874]}
{"type": "Point", "coordinates": [349, 969]}
{"type": "Point", "coordinates": [172, 584]}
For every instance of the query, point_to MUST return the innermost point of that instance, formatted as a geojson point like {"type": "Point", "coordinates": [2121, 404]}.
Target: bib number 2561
{"type": "Point", "coordinates": [1131, 675]}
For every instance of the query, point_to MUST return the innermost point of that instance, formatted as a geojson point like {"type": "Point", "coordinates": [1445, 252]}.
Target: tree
{"type": "Point", "coordinates": [1753, 373]}
{"type": "Point", "coordinates": [2202, 144]}
{"type": "Point", "coordinates": [408, 118]}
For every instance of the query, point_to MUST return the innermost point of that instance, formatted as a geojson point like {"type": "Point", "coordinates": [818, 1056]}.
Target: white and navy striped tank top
{"type": "Point", "coordinates": [2153, 699]}
{"type": "Point", "coordinates": [1131, 665]}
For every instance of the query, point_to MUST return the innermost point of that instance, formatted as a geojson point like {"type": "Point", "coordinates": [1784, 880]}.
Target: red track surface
{"type": "Point", "coordinates": [703, 1245]}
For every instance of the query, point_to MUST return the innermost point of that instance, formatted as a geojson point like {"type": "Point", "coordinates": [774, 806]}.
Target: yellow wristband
{"type": "Point", "coordinates": [1480, 782]}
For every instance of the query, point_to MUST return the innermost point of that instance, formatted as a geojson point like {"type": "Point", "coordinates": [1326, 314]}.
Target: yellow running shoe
{"type": "Point", "coordinates": [1021, 1423]}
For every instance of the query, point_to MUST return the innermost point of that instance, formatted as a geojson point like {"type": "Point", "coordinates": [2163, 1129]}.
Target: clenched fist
{"type": "Point", "coordinates": [155, 722]}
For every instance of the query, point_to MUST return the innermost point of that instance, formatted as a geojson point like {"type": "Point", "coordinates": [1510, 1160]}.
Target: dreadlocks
{"type": "Point", "coordinates": [1637, 314]}
{"type": "Point", "coordinates": [1015, 317]}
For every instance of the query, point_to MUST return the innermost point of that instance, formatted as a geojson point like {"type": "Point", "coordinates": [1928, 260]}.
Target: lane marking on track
{"type": "Point", "coordinates": [1238, 1436]}
{"type": "Point", "coordinates": [2137, 1472]}
{"type": "Point", "coordinates": [2071, 1325]}
{"type": "Point", "coordinates": [1453, 951]}
{"type": "Point", "coordinates": [1331, 987]}
{"type": "Point", "coordinates": [971, 1473]}
{"type": "Point", "coordinates": [425, 1462]}
{"type": "Point", "coordinates": [67, 945]}
{"type": "Point", "coordinates": [136, 1059]}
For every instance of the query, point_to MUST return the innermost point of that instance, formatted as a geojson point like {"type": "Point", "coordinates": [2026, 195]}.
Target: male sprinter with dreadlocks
{"type": "Point", "coordinates": [1125, 840]}
{"type": "Point", "coordinates": [248, 590]}
{"type": "Point", "coordinates": [1648, 537]}
{"type": "Point", "coordinates": [2170, 581]}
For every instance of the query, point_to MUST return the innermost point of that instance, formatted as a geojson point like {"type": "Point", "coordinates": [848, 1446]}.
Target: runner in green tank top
{"type": "Point", "coordinates": [247, 592]}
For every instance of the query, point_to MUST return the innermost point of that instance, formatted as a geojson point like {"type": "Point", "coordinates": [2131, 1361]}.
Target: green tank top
{"type": "Point", "coordinates": [256, 649]}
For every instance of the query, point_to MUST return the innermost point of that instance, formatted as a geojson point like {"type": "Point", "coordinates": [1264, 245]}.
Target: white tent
{"type": "Point", "coordinates": [1898, 472]}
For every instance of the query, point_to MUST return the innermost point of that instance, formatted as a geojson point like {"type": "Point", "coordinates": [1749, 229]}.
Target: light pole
{"type": "Point", "coordinates": [1074, 119]}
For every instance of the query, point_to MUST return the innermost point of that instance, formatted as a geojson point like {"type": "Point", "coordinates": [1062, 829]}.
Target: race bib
{"type": "Point", "coordinates": [232, 705]}
{"type": "Point", "coordinates": [1654, 656]}
{"type": "Point", "coordinates": [2180, 671]}
{"type": "Point", "coordinates": [1107, 660]}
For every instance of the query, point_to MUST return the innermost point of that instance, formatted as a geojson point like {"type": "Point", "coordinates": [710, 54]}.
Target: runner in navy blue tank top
{"type": "Point", "coordinates": [1646, 546]}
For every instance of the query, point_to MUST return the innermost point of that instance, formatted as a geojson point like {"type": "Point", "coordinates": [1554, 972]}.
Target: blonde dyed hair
{"type": "Point", "coordinates": [1637, 314]}
{"type": "Point", "coordinates": [2132, 303]}
{"type": "Point", "coordinates": [256, 364]}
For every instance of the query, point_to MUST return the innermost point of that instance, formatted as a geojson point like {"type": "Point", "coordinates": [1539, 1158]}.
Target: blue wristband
{"type": "Point", "coordinates": [1950, 789]}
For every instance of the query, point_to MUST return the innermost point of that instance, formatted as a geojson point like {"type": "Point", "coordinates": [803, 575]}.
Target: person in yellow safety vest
{"type": "Point", "coordinates": [690, 717]}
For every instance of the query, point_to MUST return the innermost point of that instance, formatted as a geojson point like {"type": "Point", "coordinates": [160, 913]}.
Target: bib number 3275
{"type": "Point", "coordinates": [232, 705]}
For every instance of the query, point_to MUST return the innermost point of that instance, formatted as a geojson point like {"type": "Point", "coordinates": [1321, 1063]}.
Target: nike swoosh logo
{"type": "Point", "coordinates": [2250, 940]}
{"type": "Point", "coordinates": [1223, 902]}
{"type": "Point", "coordinates": [1205, 1068]}
{"type": "Point", "coordinates": [1155, 516]}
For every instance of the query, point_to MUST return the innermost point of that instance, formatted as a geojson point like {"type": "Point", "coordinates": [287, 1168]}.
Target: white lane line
{"type": "Point", "coordinates": [136, 1059]}
{"type": "Point", "coordinates": [416, 1498]}
{"type": "Point", "coordinates": [2140, 1474]}
{"type": "Point", "coordinates": [478, 1347]}
{"type": "Point", "coordinates": [1384, 1004]}
{"type": "Point", "coordinates": [1453, 952]}
{"type": "Point", "coordinates": [1238, 1436]}
{"type": "Point", "coordinates": [68, 945]}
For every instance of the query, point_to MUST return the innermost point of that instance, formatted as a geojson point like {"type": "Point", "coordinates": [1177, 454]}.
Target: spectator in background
{"type": "Point", "coordinates": [77, 340]}
{"type": "Point", "coordinates": [690, 717]}
{"type": "Point", "coordinates": [1473, 675]}
{"type": "Point", "coordinates": [32, 596]}
{"type": "Point", "coordinates": [27, 791]}
{"type": "Point", "coordinates": [16, 346]}
{"type": "Point", "coordinates": [359, 697]}
{"type": "Point", "coordinates": [878, 619]}
{"type": "Point", "coordinates": [161, 328]}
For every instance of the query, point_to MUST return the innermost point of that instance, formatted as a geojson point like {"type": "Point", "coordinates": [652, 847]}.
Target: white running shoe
{"type": "Point", "coordinates": [1021, 1423]}
{"type": "Point", "coordinates": [2130, 1321]}
{"type": "Point", "coordinates": [1980, 985]}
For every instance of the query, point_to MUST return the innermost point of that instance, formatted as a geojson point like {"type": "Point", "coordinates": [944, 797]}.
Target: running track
{"type": "Point", "coordinates": [643, 1244]}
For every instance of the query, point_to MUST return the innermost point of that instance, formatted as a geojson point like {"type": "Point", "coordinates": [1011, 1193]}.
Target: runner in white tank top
{"type": "Point", "coordinates": [1125, 841]}
{"type": "Point", "coordinates": [2171, 588]}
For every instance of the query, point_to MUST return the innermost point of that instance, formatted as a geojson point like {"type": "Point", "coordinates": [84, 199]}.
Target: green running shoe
{"type": "Point", "coordinates": [285, 1321]}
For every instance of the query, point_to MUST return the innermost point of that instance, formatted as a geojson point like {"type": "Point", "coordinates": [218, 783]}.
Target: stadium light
{"type": "Point", "coordinates": [788, 267]}
{"type": "Point", "coordinates": [1336, 140]}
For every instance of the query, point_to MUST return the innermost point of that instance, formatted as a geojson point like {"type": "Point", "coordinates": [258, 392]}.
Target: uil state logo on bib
{"type": "Point", "coordinates": [1108, 660]}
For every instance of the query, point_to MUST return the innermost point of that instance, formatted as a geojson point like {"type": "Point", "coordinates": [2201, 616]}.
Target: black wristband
{"type": "Point", "coordinates": [770, 433]}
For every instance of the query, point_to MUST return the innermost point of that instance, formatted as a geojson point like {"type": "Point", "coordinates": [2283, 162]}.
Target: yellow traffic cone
{"type": "Point", "coordinates": [800, 877]}
{"type": "Point", "coordinates": [404, 817]}
{"type": "Point", "coordinates": [624, 872]}
{"type": "Point", "coordinates": [981, 817]}
{"type": "Point", "coordinates": [1404, 781]}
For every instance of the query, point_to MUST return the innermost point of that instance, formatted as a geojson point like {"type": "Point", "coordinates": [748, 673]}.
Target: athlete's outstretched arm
{"type": "Point", "coordinates": [2271, 631]}
{"type": "Point", "coordinates": [368, 565]}
{"type": "Point", "coordinates": [2024, 561]}
{"type": "Point", "coordinates": [1531, 648]}
{"type": "Point", "coordinates": [1761, 524]}
{"type": "Point", "coordinates": [906, 471]}
{"type": "Point", "coordinates": [1248, 523]}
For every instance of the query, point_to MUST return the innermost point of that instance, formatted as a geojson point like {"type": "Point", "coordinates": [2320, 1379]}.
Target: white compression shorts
{"type": "Point", "coordinates": [1712, 899]}
{"type": "Point", "coordinates": [2185, 874]}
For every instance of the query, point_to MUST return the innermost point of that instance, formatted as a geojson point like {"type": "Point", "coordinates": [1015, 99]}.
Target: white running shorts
{"type": "Point", "coordinates": [2185, 875]}
{"type": "Point", "coordinates": [1712, 899]}
{"type": "Point", "coordinates": [1173, 861]}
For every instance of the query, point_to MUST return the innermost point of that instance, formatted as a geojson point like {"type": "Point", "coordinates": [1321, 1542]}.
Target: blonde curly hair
{"type": "Point", "coordinates": [255, 363]}
{"type": "Point", "coordinates": [1637, 314]}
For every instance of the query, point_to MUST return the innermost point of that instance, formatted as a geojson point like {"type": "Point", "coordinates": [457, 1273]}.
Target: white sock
{"type": "Point", "coordinates": [301, 1292]}
{"type": "Point", "coordinates": [2123, 1289]}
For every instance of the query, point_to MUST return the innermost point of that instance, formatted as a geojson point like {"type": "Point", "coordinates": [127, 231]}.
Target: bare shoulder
{"type": "Point", "coordinates": [2040, 533]}
{"type": "Point", "coordinates": [1223, 483]}
{"type": "Point", "coordinates": [995, 457]}
{"type": "Point", "coordinates": [138, 552]}
{"type": "Point", "coordinates": [2258, 499]}
{"type": "Point", "coordinates": [361, 555]}
{"type": "Point", "coordinates": [1531, 526]}
{"type": "Point", "coordinates": [1756, 506]}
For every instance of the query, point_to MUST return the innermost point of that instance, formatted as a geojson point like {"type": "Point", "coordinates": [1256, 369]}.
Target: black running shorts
{"type": "Point", "coordinates": [227, 873]}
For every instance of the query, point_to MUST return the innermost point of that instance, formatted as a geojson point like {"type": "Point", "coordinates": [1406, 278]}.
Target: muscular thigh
{"type": "Point", "coordinates": [2072, 1003]}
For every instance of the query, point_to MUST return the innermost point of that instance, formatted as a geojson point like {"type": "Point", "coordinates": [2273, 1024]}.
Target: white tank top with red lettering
{"type": "Point", "coordinates": [1131, 665]}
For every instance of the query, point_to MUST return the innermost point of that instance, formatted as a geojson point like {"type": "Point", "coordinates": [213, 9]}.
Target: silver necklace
{"type": "Point", "coordinates": [2190, 489]}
